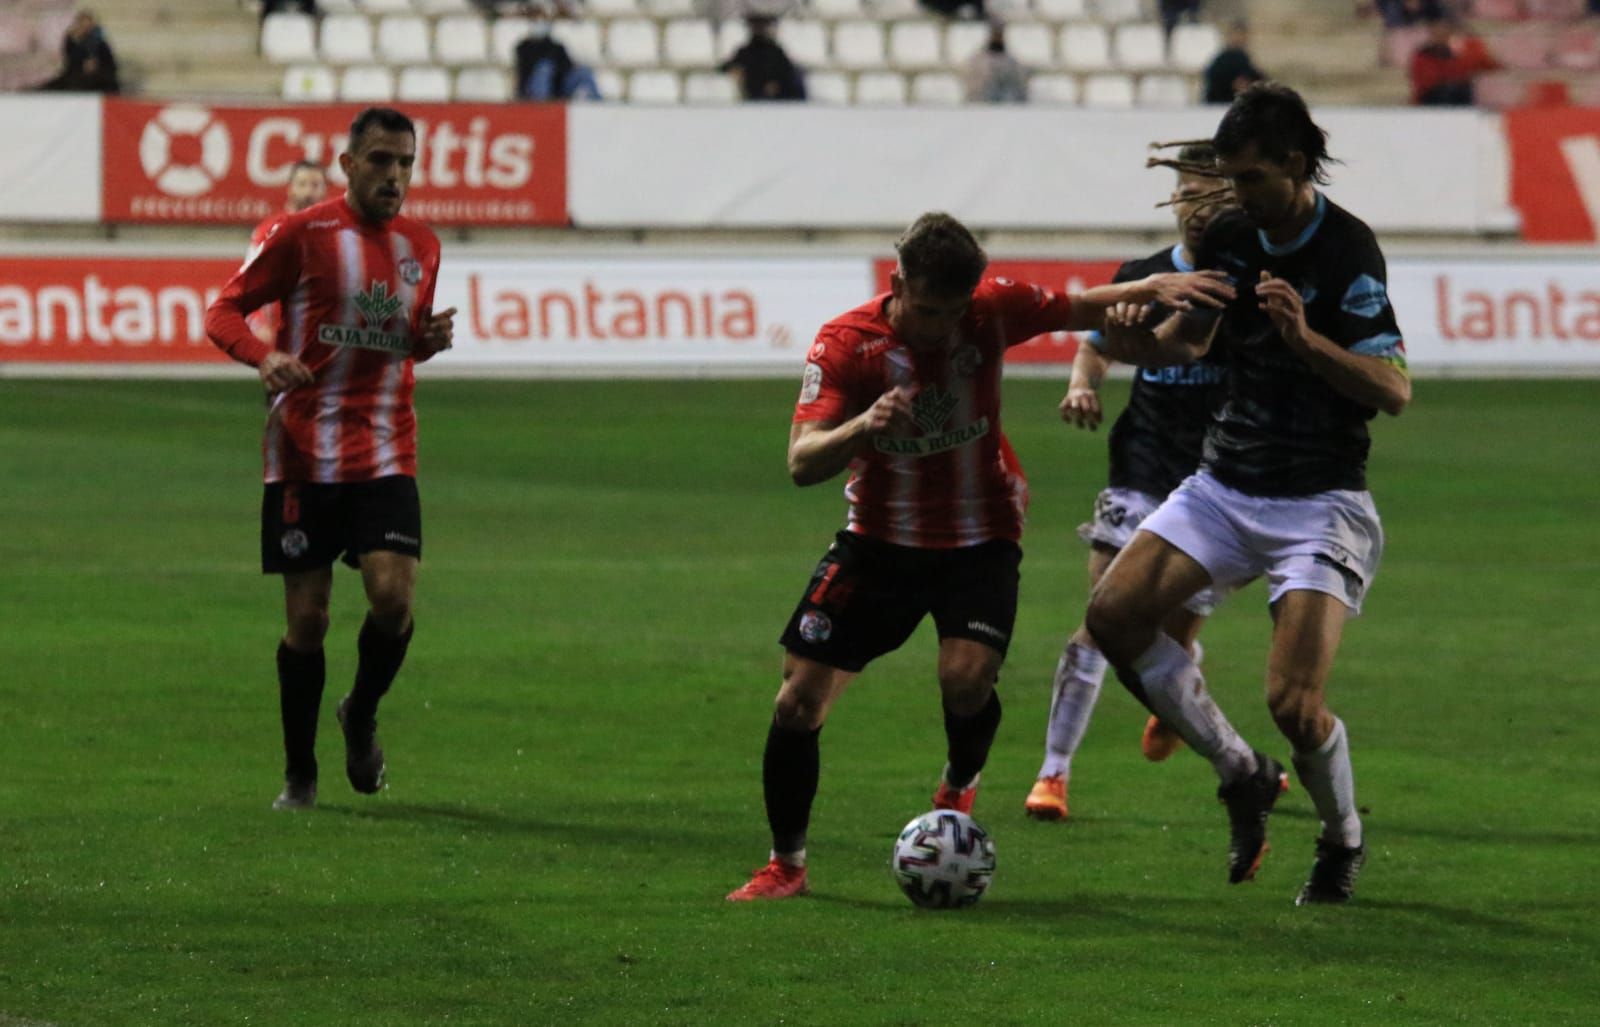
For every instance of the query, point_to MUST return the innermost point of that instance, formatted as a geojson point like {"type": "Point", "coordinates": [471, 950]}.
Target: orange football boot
{"type": "Point", "coordinates": [1048, 800]}
{"type": "Point", "coordinates": [776, 880]}
{"type": "Point", "coordinates": [1159, 740]}
{"type": "Point", "coordinates": [960, 801]}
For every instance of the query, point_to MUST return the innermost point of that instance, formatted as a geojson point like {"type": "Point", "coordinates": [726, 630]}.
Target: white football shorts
{"type": "Point", "coordinates": [1118, 513]}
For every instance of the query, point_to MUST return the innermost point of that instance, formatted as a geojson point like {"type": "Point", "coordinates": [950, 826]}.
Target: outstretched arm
{"type": "Point", "coordinates": [1174, 290]}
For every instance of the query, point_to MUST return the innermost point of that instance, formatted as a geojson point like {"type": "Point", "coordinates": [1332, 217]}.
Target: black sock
{"type": "Point", "coordinates": [970, 738]}
{"type": "Point", "coordinates": [789, 771]}
{"type": "Point", "coordinates": [380, 656]}
{"type": "Point", "coordinates": [300, 678]}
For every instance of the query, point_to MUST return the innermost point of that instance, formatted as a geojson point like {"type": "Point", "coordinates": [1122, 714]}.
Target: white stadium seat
{"type": "Point", "coordinates": [367, 85]}
{"type": "Point", "coordinates": [937, 89]}
{"type": "Point", "coordinates": [1193, 46]}
{"type": "Point", "coordinates": [858, 45]}
{"type": "Point", "coordinates": [310, 83]}
{"type": "Point", "coordinates": [1032, 45]}
{"type": "Point", "coordinates": [326, 7]}
{"type": "Point", "coordinates": [346, 39]}
{"type": "Point", "coordinates": [506, 33]}
{"type": "Point", "coordinates": [1140, 47]}
{"type": "Point", "coordinates": [483, 85]}
{"type": "Point", "coordinates": [403, 39]}
{"type": "Point", "coordinates": [461, 39]}
{"type": "Point", "coordinates": [612, 8]}
{"type": "Point", "coordinates": [689, 44]}
{"type": "Point", "coordinates": [582, 40]}
{"type": "Point", "coordinates": [1165, 91]}
{"type": "Point", "coordinates": [731, 35]}
{"type": "Point", "coordinates": [444, 6]}
{"type": "Point", "coordinates": [387, 6]}
{"type": "Point", "coordinates": [1061, 10]}
{"type": "Point", "coordinates": [654, 87]}
{"type": "Point", "coordinates": [838, 10]}
{"type": "Point", "coordinates": [423, 84]}
{"type": "Point", "coordinates": [914, 44]}
{"type": "Point", "coordinates": [828, 87]}
{"type": "Point", "coordinates": [611, 83]}
{"type": "Point", "coordinates": [1108, 91]}
{"type": "Point", "coordinates": [288, 37]}
{"type": "Point", "coordinates": [633, 43]}
{"type": "Point", "coordinates": [712, 87]}
{"type": "Point", "coordinates": [669, 8]}
{"type": "Point", "coordinates": [1085, 47]}
{"type": "Point", "coordinates": [1119, 10]}
{"type": "Point", "coordinates": [1054, 90]}
{"type": "Point", "coordinates": [806, 42]}
{"type": "Point", "coordinates": [963, 40]}
{"type": "Point", "coordinates": [881, 89]}
{"type": "Point", "coordinates": [894, 10]}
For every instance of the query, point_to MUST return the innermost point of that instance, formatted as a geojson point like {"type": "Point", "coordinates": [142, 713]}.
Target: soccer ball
{"type": "Point", "coordinates": [943, 860]}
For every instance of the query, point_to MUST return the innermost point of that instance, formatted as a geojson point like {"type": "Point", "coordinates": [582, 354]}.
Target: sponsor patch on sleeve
{"type": "Point", "coordinates": [811, 383]}
{"type": "Point", "coordinates": [1366, 297]}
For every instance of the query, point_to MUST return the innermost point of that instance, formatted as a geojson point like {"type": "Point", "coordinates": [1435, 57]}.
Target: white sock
{"type": "Point", "coordinates": [1177, 693]}
{"type": "Point", "coordinates": [1331, 783]}
{"type": "Point", "coordinates": [1079, 674]}
{"type": "Point", "coordinates": [794, 859]}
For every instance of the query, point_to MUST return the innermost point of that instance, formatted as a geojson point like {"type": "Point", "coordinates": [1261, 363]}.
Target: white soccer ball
{"type": "Point", "coordinates": [943, 860]}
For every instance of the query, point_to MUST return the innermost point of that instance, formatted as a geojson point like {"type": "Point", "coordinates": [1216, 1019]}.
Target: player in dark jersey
{"type": "Point", "coordinates": [1313, 354]}
{"type": "Point", "coordinates": [904, 392]}
{"type": "Point", "coordinates": [1154, 444]}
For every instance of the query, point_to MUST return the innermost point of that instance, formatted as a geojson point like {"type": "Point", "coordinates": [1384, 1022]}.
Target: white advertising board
{"type": "Point", "coordinates": [51, 162]}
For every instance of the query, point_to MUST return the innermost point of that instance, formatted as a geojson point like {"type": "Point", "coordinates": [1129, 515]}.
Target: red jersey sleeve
{"type": "Point", "coordinates": [268, 275]}
{"type": "Point", "coordinates": [827, 386]}
{"type": "Point", "coordinates": [1022, 311]}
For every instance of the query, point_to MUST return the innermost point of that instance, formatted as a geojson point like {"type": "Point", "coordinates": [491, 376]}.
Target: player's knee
{"type": "Point", "coordinates": [391, 608]}
{"type": "Point", "coordinates": [798, 710]}
{"type": "Point", "coordinates": [1297, 710]}
{"type": "Point", "coordinates": [1112, 624]}
{"type": "Point", "coordinates": [966, 687]}
{"type": "Point", "coordinates": [307, 628]}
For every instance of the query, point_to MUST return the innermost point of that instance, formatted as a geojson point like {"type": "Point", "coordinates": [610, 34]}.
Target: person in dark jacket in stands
{"type": "Point", "coordinates": [88, 65]}
{"type": "Point", "coordinates": [763, 70]}
{"type": "Point", "coordinates": [1231, 70]}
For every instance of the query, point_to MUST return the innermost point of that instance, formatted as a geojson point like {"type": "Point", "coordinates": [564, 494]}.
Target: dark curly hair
{"type": "Point", "coordinates": [1275, 118]}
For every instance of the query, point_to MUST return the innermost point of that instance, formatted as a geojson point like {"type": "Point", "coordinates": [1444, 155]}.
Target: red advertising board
{"type": "Point", "coordinates": [1555, 171]}
{"type": "Point", "coordinates": [1060, 275]}
{"type": "Point", "coordinates": [95, 310]}
{"type": "Point", "coordinates": [183, 163]}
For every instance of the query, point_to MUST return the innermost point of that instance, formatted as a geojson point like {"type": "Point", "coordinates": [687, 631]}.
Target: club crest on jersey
{"type": "Point", "coordinates": [932, 409]}
{"type": "Point", "coordinates": [410, 271]}
{"type": "Point", "coordinates": [294, 543]}
{"type": "Point", "coordinates": [966, 360]}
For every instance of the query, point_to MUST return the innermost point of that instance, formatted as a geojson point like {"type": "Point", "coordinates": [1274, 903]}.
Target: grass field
{"type": "Point", "coordinates": [574, 746]}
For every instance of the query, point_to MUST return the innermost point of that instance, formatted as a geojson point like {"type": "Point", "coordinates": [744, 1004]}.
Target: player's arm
{"type": "Point", "coordinates": [269, 276]}
{"type": "Point", "coordinates": [435, 333]}
{"type": "Point", "coordinates": [1177, 290]}
{"type": "Point", "coordinates": [1081, 405]}
{"type": "Point", "coordinates": [1148, 336]}
{"type": "Point", "coordinates": [818, 450]}
{"type": "Point", "coordinates": [1377, 379]}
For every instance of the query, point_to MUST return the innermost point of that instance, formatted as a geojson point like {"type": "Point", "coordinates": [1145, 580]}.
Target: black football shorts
{"type": "Point", "coordinates": [866, 598]}
{"type": "Point", "coordinates": [306, 525]}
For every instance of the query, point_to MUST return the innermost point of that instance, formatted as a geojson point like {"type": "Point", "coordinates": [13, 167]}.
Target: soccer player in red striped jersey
{"type": "Point", "coordinates": [904, 391]}
{"type": "Point", "coordinates": [308, 185]}
{"type": "Point", "coordinates": [356, 282]}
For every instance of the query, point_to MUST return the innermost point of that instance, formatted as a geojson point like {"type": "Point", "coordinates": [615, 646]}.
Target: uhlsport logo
{"type": "Point", "coordinates": [185, 151]}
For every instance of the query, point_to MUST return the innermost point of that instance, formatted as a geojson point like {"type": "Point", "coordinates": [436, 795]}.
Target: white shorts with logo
{"type": "Point", "coordinates": [1326, 542]}
{"type": "Point", "coordinates": [1118, 513]}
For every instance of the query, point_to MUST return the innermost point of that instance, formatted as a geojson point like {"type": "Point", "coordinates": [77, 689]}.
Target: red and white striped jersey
{"type": "Point", "coordinates": [268, 318]}
{"type": "Point", "coordinates": [355, 295]}
{"type": "Point", "coordinates": [952, 480]}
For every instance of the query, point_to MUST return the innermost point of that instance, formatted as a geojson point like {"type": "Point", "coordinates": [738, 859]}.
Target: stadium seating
{"type": "Point", "coordinates": [1553, 10]}
{"type": "Point", "coordinates": [423, 84]}
{"type": "Point", "coordinates": [670, 8]}
{"type": "Point", "coordinates": [881, 89]}
{"type": "Point", "coordinates": [504, 36]}
{"type": "Point", "coordinates": [581, 38]}
{"type": "Point", "coordinates": [1525, 49]}
{"type": "Point", "coordinates": [444, 6]}
{"type": "Point", "coordinates": [858, 45]}
{"type": "Point", "coordinates": [1164, 91]}
{"type": "Point", "coordinates": [1086, 48]}
{"type": "Point", "coordinates": [338, 7]}
{"type": "Point", "coordinates": [689, 43]}
{"type": "Point", "coordinates": [288, 37]}
{"type": "Point", "coordinates": [937, 88]}
{"type": "Point", "coordinates": [709, 87]}
{"type": "Point", "coordinates": [731, 35]}
{"type": "Point", "coordinates": [367, 84]}
{"type": "Point", "coordinates": [806, 42]}
{"type": "Point", "coordinates": [654, 87]}
{"type": "Point", "coordinates": [310, 83]}
{"type": "Point", "coordinates": [1061, 10]}
{"type": "Point", "coordinates": [403, 39]}
{"type": "Point", "coordinates": [838, 10]}
{"type": "Point", "coordinates": [461, 39]}
{"type": "Point", "coordinates": [611, 84]}
{"type": "Point", "coordinates": [915, 45]}
{"type": "Point", "coordinates": [1108, 90]}
{"type": "Point", "coordinates": [963, 40]}
{"type": "Point", "coordinates": [613, 8]}
{"type": "Point", "coordinates": [1033, 46]}
{"type": "Point", "coordinates": [1496, 10]}
{"type": "Point", "coordinates": [1577, 49]}
{"type": "Point", "coordinates": [829, 87]}
{"type": "Point", "coordinates": [483, 85]}
{"type": "Point", "coordinates": [1193, 46]}
{"type": "Point", "coordinates": [1140, 47]}
{"type": "Point", "coordinates": [633, 43]}
{"type": "Point", "coordinates": [1118, 10]}
{"type": "Point", "coordinates": [1056, 90]}
{"type": "Point", "coordinates": [346, 39]}
{"type": "Point", "coordinates": [386, 6]}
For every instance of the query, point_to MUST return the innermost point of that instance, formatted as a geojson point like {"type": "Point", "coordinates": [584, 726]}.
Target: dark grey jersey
{"type": "Point", "coordinates": [1283, 430]}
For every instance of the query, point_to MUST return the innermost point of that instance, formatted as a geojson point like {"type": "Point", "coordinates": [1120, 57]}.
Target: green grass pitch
{"type": "Point", "coordinates": [574, 745]}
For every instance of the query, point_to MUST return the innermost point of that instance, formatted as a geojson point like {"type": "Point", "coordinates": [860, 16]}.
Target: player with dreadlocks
{"type": "Point", "coordinates": [1313, 354]}
{"type": "Point", "coordinates": [1154, 444]}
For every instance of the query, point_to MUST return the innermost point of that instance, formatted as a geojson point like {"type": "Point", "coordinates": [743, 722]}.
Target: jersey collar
{"type": "Point", "coordinates": [1300, 240]}
{"type": "Point", "coordinates": [1178, 261]}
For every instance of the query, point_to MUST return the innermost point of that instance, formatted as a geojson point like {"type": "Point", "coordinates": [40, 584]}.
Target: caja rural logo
{"type": "Point", "coordinates": [184, 150]}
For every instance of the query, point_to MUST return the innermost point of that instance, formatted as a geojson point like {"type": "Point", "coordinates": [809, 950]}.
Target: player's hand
{"type": "Point", "coordinates": [281, 372]}
{"type": "Point", "coordinates": [1186, 290]}
{"type": "Point", "coordinates": [891, 411]}
{"type": "Point", "coordinates": [1282, 303]}
{"type": "Point", "coordinates": [1080, 407]}
{"type": "Point", "coordinates": [438, 335]}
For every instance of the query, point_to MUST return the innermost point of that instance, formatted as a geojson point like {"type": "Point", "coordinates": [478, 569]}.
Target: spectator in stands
{"type": "Point", "coordinates": [762, 69]}
{"type": "Point", "coordinates": [308, 7]}
{"type": "Point", "coordinates": [88, 65]}
{"type": "Point", "coordinates": [546, 71]}
{"type": "Point", "coordinates": [1174, 11]}
{"type": "Point", "coordinates": [1445, 64]}
{"type": "Point", "coordinates": [1231, 70]}
{"type": "Point", "coordinates": [970, 9]}
{"type": "Point", "coordinates": [1400, 13]}
{"type": "Point", "coordinates": [993, 75]}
